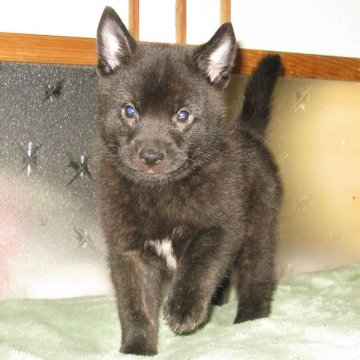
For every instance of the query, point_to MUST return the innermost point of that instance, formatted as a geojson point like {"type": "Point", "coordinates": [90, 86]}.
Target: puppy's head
{"type": "Point", "coordinates": [160, 106]}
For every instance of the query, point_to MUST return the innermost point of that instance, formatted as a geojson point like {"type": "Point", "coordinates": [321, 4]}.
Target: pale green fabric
{"type": "Point", "coordinates": [315, 316]}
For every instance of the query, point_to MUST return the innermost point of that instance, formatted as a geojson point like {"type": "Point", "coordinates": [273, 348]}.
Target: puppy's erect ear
{"type": "Point", "coordinates": [216, 57]}
{"type": "Point", "coordinates": [114, 43]}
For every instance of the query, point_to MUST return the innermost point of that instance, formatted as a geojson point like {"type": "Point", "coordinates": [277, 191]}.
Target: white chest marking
{"type": "Point", "coordinates": [165, 250]}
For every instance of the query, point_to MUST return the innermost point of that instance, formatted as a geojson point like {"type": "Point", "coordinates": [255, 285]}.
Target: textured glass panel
{"type": "Point", "coordinates": [50, 244]}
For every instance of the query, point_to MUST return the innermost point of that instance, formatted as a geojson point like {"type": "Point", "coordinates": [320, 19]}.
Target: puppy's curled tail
{"type": "Point", "coordinates": [256, 109]}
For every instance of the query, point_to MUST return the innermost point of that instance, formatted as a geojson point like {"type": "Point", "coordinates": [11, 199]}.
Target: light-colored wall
{"type": "Point", "coordinates": [329, 27]}
{"type": "Point", "coordinates": [314, 137]}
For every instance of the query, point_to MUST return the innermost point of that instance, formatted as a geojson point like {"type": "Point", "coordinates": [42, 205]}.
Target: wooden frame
{"type": "Point", "coordinates": [180, 22]}
{"type": "Point", "coordinates": [82, 51]}
{"type": "Point", "coordinates": [47, 49]}
{"type": "Point", "coordinates": [134, 18]}
{"type": "Point", "coordinates": [304, 65]}
{"type": "Point", "coordinates": [225, 11]}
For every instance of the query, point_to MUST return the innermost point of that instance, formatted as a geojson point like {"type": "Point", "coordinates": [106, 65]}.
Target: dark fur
{"type": "Point", "coordinates": [214, 193]}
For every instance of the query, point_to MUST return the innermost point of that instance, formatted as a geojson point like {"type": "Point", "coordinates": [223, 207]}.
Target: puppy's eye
{"type": "Point", "coordinates": [129, 111]}
{"type": "Point", "coordinates": [183, 116]}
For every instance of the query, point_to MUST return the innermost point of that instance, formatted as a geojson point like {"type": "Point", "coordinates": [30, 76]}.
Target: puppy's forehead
{"type": "Point", "coordinates": [164, 75]}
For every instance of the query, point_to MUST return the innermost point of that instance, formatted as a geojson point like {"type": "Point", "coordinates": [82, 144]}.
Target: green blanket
{"type": "Point", "coordinates": [315, 316]}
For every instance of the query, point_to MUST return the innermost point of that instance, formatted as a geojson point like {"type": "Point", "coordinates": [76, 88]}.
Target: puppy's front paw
{"type": "Point", "coordinates": [138, 348]}
{"type": "Point", "coordinates": [185, 314]}
{"type": "Point", "coordinates": [139, 343]}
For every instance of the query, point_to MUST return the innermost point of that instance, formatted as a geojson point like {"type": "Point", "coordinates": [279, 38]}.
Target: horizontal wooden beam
{"type": "Point", "coordinates": [82, 51]}
{"type": "Point", "coordinates": [304, 65]}
{"type": "Point", "coordinates": [47, 49]}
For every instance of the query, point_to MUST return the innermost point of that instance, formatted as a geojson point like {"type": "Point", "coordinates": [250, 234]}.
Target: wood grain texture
{"type": "Point", "coordinates": [303, 65]}
{"type": "Point", "coordinates": [47, 49]}
{"type": "Point", "coordinates": [180, 21]}
{"type": "Point", "coordinates": [82, 51]}
{"type": "Point", "coordinates": [225, 11]}
{"type": "Point", "coordinates": [134, 16]}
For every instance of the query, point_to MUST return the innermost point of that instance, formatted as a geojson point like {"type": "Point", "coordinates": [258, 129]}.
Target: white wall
{"type": "Point", "coordinates": [329, 27]}
{"type": "Point", "coordinates": [56, 17]}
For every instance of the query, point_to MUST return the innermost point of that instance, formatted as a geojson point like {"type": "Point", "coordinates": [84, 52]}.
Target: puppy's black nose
{"type": "Point", "coordinates": [151, 157]}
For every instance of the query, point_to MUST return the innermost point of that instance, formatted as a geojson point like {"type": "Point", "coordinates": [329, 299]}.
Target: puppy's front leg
{"type": "Point", "coordinates": [200, 270]}
{"type": "Point", "coordinates": [137, 280]}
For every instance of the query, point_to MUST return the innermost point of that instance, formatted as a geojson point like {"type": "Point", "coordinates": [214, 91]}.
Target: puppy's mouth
{"type": "Point", "coordinates": [161, 167]}
{"type": "Point", "coordinates": [159, 173]}
{"type": "Point", "coordinates": [152, 168]}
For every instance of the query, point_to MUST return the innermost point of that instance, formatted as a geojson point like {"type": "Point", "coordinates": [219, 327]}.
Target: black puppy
{"type": "Point", "coordinates": [180, 197]}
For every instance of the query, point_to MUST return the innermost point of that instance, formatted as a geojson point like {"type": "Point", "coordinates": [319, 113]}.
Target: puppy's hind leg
{"type": "Point", "coordinates": [255, 278]}
{"type": "Point", "coordinates": [255, 267]}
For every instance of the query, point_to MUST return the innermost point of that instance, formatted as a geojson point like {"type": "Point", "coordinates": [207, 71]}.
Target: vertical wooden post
{"type": "Point", "coordinates": [225, 11]}
{"type": "Point", "coordinates": [134, 18]}
{"type": "Point", "coordinates": [181, 21]}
